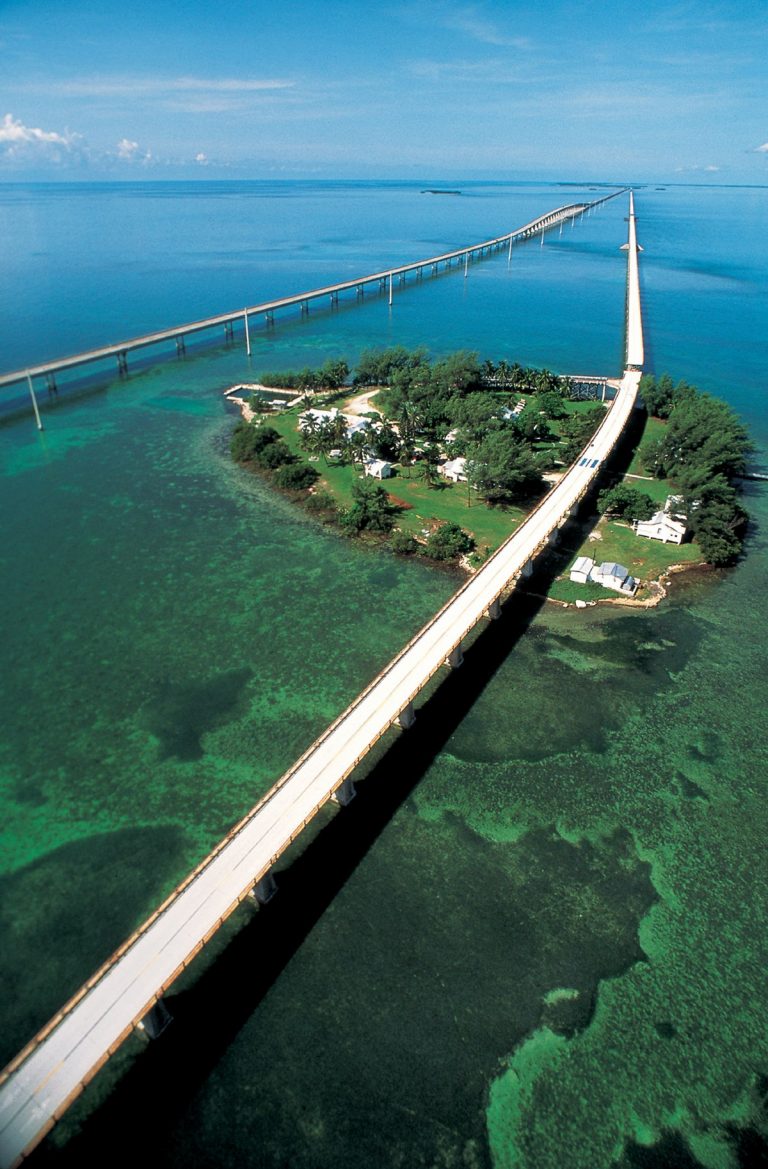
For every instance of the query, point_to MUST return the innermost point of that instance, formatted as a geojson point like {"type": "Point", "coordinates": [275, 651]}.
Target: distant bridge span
{"type": "Point", "coordinates": [120, 350]}
{"type": "Point", "coordinates": [39, 1084]}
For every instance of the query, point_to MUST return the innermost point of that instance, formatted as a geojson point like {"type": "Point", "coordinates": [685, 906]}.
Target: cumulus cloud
{"type": "Point", "coordinates": [129, 151]}
{"type": "Point", "coordinates": [762, 149]}
{"type": "Point", "coordinates": [201, 158]}
{"type": "Point", "coordinates": [22, 144]}
{"type": "Point", "coordinates": [126, 148]}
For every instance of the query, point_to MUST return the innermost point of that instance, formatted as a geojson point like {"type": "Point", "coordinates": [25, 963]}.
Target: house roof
{"type": "Point", "coordinates": [583, 564]}
{"type": "Point", "coordinates": [611, 568]}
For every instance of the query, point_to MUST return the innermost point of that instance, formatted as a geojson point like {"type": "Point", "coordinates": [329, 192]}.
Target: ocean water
{"type": "Point", "coordinates": [538, 936]}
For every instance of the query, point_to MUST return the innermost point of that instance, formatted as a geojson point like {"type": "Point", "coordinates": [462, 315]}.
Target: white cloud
{"type": "Point", "coordinates": [158, 86]}
{"type": "Point", "coordinates": [201, 158]}
{"type": "Point", "coordinates": [471, 23]}
{"type": "Point", "coordinates": [761, 149]}
{"type": "Point", "coordinates": [20, 143]}
{"type": "Point", "coordinates": [127, 149]}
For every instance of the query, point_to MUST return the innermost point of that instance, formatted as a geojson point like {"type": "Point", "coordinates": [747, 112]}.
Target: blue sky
{"type": "Point", "coordinates": [421, 88]}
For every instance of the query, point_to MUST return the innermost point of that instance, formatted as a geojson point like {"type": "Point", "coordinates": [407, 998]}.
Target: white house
{"type": "Point", "coordinates": [608, 574]}
{"type": "Point", "coordinates": [614, 576]}
{"type": "Point", "coordinates": [666, 525]}
{"type": "Point", "coordinates": [454, 469]}
{"type": "Point", "coordinates": [581, 570]}
{"type": "Point", "coordinates": [353, 422]}
{"type": "Point", "coordinates": [378, 468]}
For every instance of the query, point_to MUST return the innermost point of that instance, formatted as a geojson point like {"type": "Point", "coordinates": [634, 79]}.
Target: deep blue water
{"type": "Point", "coordinates": [589, 832]}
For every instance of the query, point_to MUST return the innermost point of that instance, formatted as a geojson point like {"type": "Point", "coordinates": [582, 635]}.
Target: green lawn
{"type": "Point", "coordinates": [646, 560]}
{"type": "Point", "coordinates": [429, 506]}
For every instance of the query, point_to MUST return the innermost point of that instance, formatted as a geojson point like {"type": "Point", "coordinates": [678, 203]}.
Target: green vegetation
{"type": "Point", "coordinates": [330, 376]}
{"type": "Point", "coordinates": [261, 446]}
{"type": "Point", "coordinates": [371, 509]}
{"type": "Point", "coordinates": [448, 542]}
{"type": "Point", "coordinates": [702, 450]}
{"type": "Point", "coordinates": [626, 502]}
{"type": "Point", "coordinates": [510, 425]}
{"type": "Point", "coordinates": [502, 468]}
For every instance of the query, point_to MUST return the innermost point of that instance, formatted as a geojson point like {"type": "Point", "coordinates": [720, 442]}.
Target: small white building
{"type": "Point", "coordinates": [667, 525]}
{"type": "Point", "coordinates": [614, 576]}
{"type": "Point", "coordinates": [508, 413]}
{"type": "Point", "coordinates": [581, 569]}
{"type": "Point", "coordinates": [608, 574]}
{"type": "Point", "coordinates": [378, 468]}
{"type": "Point", "coordinates": [454, 469]}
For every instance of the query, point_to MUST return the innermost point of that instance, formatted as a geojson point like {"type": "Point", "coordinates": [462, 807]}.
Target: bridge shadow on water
{"type": "Point", "coordinates": [210, 1008]}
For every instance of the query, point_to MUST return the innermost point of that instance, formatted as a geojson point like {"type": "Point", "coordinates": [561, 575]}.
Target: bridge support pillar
{"type": "Point", "coordinates": [122, 362]}
{"type": "Point", "coordinates": [52, 387]}
{"type": "Point", "coordinates": [155, 1021]}
{"type": "Point", "coordinates": [228, 330]}
{"type": "Point", "coordinates": [554, 537]}
{"type": "Point", "coordinates": [345, 794]}
{"type": "Point", "coordinates": [269, 318]}
{"type": "Point", "coordinates": [455, 658]}
{"type": "Point", "coordinates": [406, 717]}
{"type": "Point", "coordinates": [494, 610]}
{"type": "Point", "coordinates": [265, 888]}
{"type": "Point", "coordinates": [527, 569]}
{"type": "Point", "coordinates": [180, 346]}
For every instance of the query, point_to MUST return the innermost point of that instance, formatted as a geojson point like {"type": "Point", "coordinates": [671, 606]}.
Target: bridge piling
{"type": "Point", "coordinates": [344, 795]}
{"type": "Point", "coordinates": [265, 888]}
{"type": "Point", "coordinates": [34, 401]}
{"type": "Point", "coordinates": [455, 658]}
{"type": "Point", "coordinates": [180, 347]}
{"type": "Point", "coordinates": [155, 1021]}
{"type": "Point", "coordinates": [493, 612]}
{"type": "Point", "coordinates": [122, 362]}
{"type": "Point", "coordinates": [406, 717]}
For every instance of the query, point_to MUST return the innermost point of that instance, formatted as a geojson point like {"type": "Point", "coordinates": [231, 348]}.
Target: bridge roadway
{"type": "Point", "coordinates": [39, 1084]}
{"type": "Point", "coordinates": [120, 349]}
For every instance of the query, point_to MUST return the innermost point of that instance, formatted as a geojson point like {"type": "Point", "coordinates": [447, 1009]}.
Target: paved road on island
{"type": "Point", "coordinates": [38, 1086]}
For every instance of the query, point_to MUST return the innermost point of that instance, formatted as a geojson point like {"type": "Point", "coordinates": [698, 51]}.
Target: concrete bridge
{"type": "Point", "coordinates": [39, 1084]}
{"type": "Point", "coordinates": [227, 321]}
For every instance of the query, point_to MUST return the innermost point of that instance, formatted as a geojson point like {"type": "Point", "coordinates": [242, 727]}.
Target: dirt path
{"type": "Point", "coordinates": [361, 404]}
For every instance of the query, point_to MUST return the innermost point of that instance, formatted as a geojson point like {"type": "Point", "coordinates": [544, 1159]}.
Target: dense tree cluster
{"type": "Point", "coordinates": [448, 542]}
{"type": "Point", "coordinates": [262, 446]}
{"type": "Point", "coordinates": [371, 510]}
{"type": "Point", "coordinates": [704, 448]}
{"type": "Point", "coordinates": [626, 502]}
{"type": "Point", "coordinates": [331, 375]}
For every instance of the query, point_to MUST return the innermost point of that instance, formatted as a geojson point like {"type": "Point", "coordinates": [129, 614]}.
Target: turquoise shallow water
{"type": "Point", "coordinates": [538, 936]}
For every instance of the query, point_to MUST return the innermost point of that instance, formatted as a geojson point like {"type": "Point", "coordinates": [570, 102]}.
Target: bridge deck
{"type": "Point", "coordinates": [38, 1085]}
{"type": "Point", "coordinates": [542, 223]}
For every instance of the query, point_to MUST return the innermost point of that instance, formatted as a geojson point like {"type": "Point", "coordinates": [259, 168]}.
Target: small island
{"type": "Point", "coordinates": [445, 458]}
